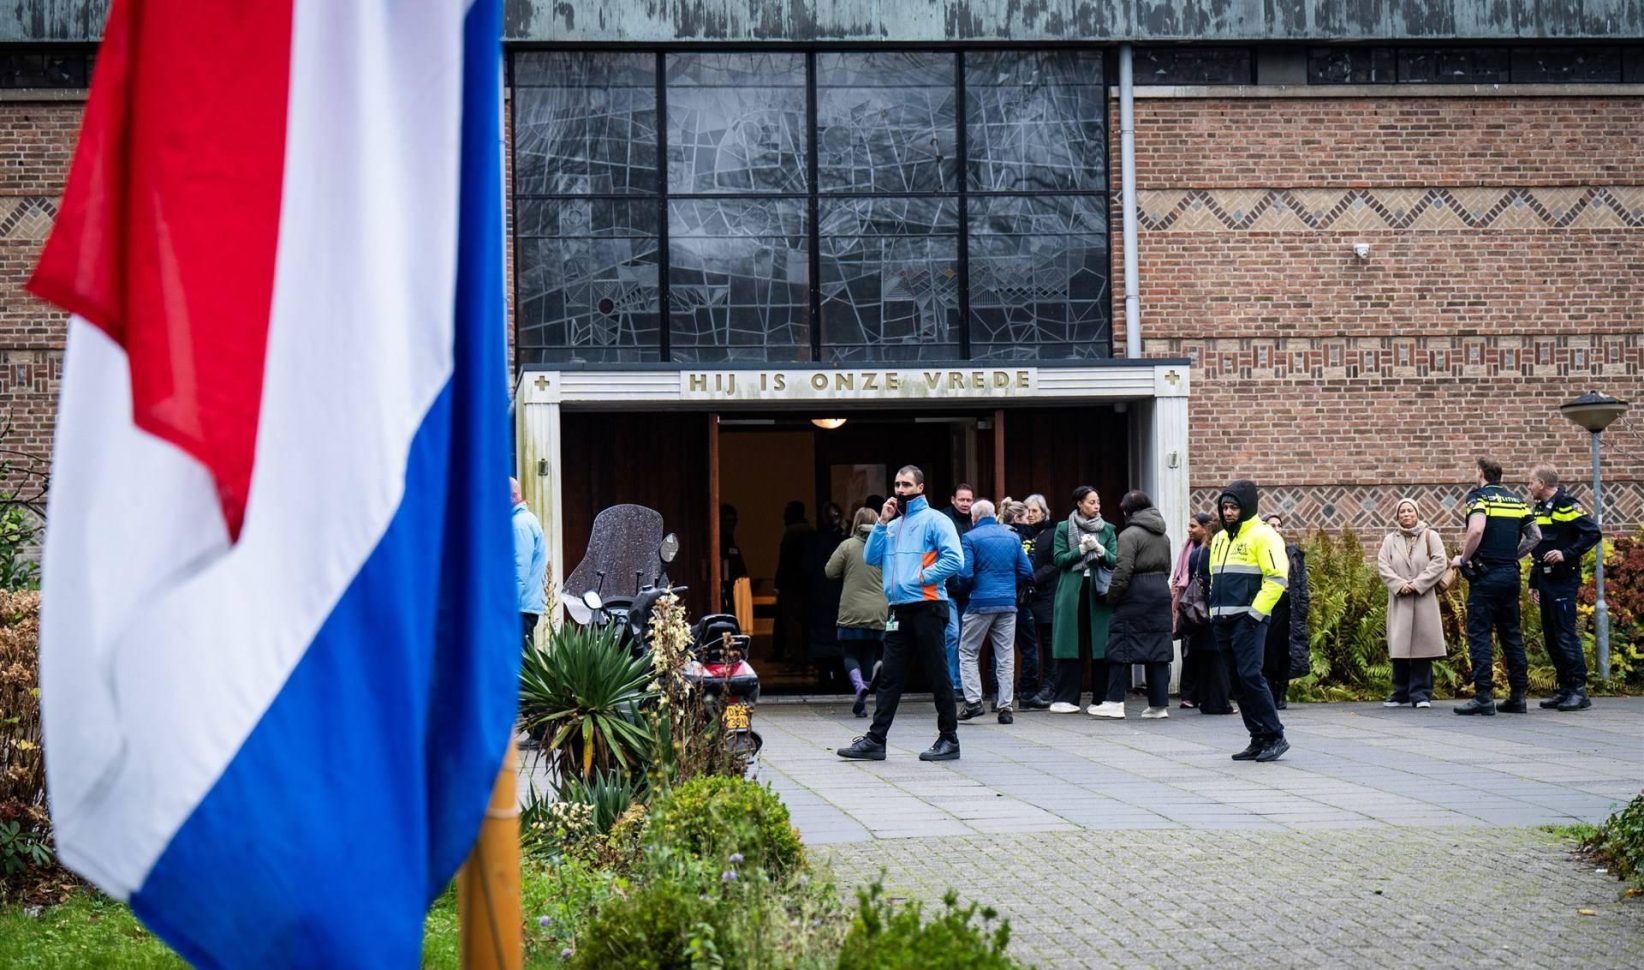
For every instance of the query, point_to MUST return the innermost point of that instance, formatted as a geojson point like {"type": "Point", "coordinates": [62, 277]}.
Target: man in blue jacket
{"type": "Point", "coordinates": [530, 563]}
{"type": "Point", "coordinates": [995, 566]}
{"type": "Point", "coordinates": [916, 549]}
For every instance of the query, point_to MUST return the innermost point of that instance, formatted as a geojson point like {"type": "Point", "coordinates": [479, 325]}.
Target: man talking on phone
{"type": "Point", "coordinates": [916, 549]}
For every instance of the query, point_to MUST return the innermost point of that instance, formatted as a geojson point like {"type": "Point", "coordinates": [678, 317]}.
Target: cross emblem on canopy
{"type": "Point", "coordinates": [1172, 378]}
{"type": "Point", "coordinates": [542, 383]}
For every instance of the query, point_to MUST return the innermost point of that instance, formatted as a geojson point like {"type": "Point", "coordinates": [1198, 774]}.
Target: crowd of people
{"type": "Point", "coordinates": [1066, 605]}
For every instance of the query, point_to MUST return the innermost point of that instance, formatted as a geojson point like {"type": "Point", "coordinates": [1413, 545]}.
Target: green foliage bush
{"type": "Point", "coordinates": [581, 696]}
{"type": "Point", "coordinates": [714, 818]}
{"type": "Point", "coordinates": [1620, 842]}
{"type": "Point", "coordinates": [884, 936]}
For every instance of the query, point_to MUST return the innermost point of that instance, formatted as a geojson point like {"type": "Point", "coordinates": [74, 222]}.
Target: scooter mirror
{"type": "Point", "coordinates": [669, 548]}
{"type": "Point", "coordinates": [591, 600]}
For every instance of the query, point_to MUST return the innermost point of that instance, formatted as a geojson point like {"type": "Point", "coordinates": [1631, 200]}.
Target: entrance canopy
{"type": "Point", "coordinates": [1152, 394]}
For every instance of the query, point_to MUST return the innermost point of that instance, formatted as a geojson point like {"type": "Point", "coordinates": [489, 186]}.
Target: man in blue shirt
{"type": "Point", "coordinates": [995, 567]}
{"type": "Point", "coordinates": [916, 549]}
{"type": "Point", "coordinates": [530, 563]}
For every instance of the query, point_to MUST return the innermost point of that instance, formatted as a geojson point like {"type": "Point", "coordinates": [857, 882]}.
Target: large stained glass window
{"type": "Point", "coordinates": [834, 206]}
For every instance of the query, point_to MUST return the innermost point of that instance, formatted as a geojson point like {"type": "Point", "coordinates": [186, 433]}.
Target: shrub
{"type": "Point", "coordinates": [27, 866]}
{"type": "Point", "coordinates": [580, 696]}
{"type": "Point", "coordinates": [714, 817]}
{"type": "Point", "coordinates": [1620, 842]}
{"type": "Point", "coordinates": [884, 936]}
{"type": "Point", "coordinates": [649, 929]}
{"type": "Point", "coordinates": [689, 739]}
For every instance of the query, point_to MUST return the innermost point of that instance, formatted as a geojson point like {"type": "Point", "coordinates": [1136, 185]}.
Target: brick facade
{"type": "Point", "coordinates": [1504, 277]}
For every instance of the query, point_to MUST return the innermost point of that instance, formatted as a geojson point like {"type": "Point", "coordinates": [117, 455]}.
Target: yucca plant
{"type": "Point", "coordinates": [608, 793]}
{"type": "Point", "coordinates": [581, 696]}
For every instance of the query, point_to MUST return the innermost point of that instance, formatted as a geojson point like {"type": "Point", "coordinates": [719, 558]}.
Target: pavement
{"type": "Point", "coordinates": [1385, 837]}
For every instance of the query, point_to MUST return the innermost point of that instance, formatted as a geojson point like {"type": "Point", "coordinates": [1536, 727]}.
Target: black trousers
{"type": "Point", "coordinates": [919, 637]}
{"type": "Point", "coordinates": [1413, 680]}
{"type": "Point", "coordinates": [1027, 652]}
{"type": "Point", "coordinates": [1558, 626]}
{"type": "Point", "coordinates": [1212, 681]}
{"type": "Point", "coordinates": [528, 625]}
{"type": "Point", "coordinates": [1190, 670]}
{"type": "Point", "coordinates": [1244, 640]}
{"type": "Point", "coordinates": [1158, 682]}
{"type": "Point", "coordinates": [1492, 604]}
{"type": "Point", "coordinates": [1070, 672]}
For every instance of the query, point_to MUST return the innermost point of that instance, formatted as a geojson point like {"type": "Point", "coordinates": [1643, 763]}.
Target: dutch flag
{"type": "Point", "coordinates": [279, 641]}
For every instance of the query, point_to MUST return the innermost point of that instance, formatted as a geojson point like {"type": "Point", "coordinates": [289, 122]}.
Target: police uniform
{"type": "Point", "coordinates": [1565, 526]}
{"type": "Point", "coordinates": [1493, 590]}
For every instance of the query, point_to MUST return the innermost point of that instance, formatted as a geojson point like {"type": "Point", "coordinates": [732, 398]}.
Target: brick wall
{"type": "Point", "coordinates": [36, 142]}
{"type": "Point", "coordinates": [1505, 276]}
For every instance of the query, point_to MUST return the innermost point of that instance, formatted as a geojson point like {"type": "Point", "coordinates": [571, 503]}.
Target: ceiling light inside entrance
{"type": "Point", "coordinates": [828, 424]}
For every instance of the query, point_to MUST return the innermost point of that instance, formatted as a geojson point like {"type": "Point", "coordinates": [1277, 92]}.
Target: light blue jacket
{"type": "Point", "coordinates": [916, 553]}
{"type": "Point", "coordinates": [530, 560]}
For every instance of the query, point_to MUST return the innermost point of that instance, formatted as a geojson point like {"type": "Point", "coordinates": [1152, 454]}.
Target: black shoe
{"type": "Point", "coordinates": [863, 749]}
{"type": "Point", "coordinates": [1281, 705]}
{"type": "Point", "coordinates": [1478, 705]}
{"type": "Point", "coordinates": [945, 749]}
{"type": "Point", "coordinates": [1005, 717]}
{"type": "Point", "coordinates": [1257, 746]}
{"type": "Point", "coordinates": [1576, 701]}
{"type": "Point", "coordinates": [1551, 703]}
{"type": "Point", "coordinates": [1274, 750]}
{"type": "Point", "coordinates": [993, 706]}
{"type": "Point", "coordinates": [968, 711]}
{"type": "Point", "coordinates": [860, 708]}
{"type": "Point", "coordinates": [1512, 705]}
{"type": "Point", "coordinates": [1037, 702]}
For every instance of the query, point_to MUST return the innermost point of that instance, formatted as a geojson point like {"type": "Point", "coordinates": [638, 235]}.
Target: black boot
{"type": "Point", "coordinates": [1558, 698]}
{"type": "Point", "coordinates": [1576, 700]}
{"type": "Point", "coordinates": [1036, 702]}
{"type": "Point", "coordinates": [1482, 704]}
{"type": "Point", "coordinates": [1514, 704]}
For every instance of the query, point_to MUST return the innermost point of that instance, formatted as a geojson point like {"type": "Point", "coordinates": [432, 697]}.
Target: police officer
{"type": "Point", "coordinates": [1567, 532]}
{"type": "Point", "coordinates": [1500, 532]}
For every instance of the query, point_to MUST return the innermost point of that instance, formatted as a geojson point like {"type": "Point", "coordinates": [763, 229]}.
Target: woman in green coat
{"type": "Point", "coordinates": [1085, 543]}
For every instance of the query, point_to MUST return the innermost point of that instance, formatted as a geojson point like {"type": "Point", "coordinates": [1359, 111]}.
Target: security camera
{"type": "Point", "coordinates": [1361, 250]}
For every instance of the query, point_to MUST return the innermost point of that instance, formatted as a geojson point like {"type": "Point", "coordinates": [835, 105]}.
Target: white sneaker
{"type": "Point", "coordinates": [1113, 709]}
{"type": "Point", "coordinates": [1063, 707]}
{"type": "Point", "coordinates": [1421, 704]}
{"type": "Point", "coordinates": [1153, 713]}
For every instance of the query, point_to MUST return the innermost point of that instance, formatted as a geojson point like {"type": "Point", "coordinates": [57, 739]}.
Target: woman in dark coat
{"type": "Point", "coordinates": [1140, 597]}
{"type": "Point", "coordinates": [1288, 654]}
{"type": "Point", "coordinates": [1042, 602]}
{"type": "Point", "coordinates": [1082, 547]}
{"type": "Point", "coordinates": [1211, 664]}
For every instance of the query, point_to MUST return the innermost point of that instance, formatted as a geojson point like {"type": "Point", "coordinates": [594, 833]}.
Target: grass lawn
{"type": "Point", "coordinates": [92, 931]}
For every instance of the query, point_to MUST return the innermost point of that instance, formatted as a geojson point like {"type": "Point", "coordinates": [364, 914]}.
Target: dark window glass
{"type": "Point", "coordinates": [1566, 65]}
{"type": "Point", "coordinates": [1035, 121]}
{"type": "Point", "coordinates": [738, 280]}
{"type": "Point", "coordinates": [1351, 65]}
{"type": "Point", "coordinates": [45, 69]}
{"type": "Point", "coordinates": [890, 279]}
{"type": "Point", "coordinates": [886, 122]}
{"type": "Point", "coordinates": [1193, 65]}
{"type": "Point", "coordinates": [587, 280]}
{"type": "Point", "coordinates": [1039, 278]}
{"type": "Point", "coordinates": [1632, 65]}
{"type": "Point", "coordinates": [1453, 65]}
{"type": "Point", "coordinates": [736, 123]}
{"type": "Point", "coordinates": [585, 123]}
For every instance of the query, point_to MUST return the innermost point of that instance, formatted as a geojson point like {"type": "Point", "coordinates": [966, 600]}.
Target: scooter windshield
{"type": "Point", "coordinates": [621, 557]}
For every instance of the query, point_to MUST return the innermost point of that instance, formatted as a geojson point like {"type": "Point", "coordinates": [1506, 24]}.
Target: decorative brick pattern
{"type": "Point", "coordinates": [1364, 210]}
{"type": "Point", "coordinates": [28, 218]}
{"type": "Point", "coordinates": [1368, 510]}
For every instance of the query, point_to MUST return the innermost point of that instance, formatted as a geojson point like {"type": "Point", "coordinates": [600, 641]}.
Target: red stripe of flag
{"type": "Point", "coordinates": [170, 219]}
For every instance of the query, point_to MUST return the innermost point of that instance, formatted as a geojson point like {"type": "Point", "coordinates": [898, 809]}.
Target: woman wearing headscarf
{"type": "Point", "coordinates": [1411, 563]}
{"type": "Point", "coordinates": [1140, 597]}
{"type": "Point", "coordinates": [1084, 548]}
{"type": "Point", "coordinates": [862, 607]}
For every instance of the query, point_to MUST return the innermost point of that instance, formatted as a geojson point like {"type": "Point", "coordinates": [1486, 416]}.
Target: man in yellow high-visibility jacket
{"type": "Point", "coordinates": [1249, 571]}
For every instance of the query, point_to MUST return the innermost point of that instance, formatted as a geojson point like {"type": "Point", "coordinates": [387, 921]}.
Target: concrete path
{"type": "Point", "coordinates": [1385, 837]}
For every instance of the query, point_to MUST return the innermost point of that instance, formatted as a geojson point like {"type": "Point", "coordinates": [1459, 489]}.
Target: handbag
{"type": "Point", "coordinates": [1447, 581]}
{"type": "Point", "coordinates": [1194, 607]}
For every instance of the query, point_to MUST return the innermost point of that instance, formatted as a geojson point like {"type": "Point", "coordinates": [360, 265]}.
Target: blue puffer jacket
{"type": "Point", "coordinates": [916, 553]}
{"type": "Point", "coordinates": [995, 564]}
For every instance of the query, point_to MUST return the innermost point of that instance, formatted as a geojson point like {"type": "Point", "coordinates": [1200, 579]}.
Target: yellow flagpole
{"type": "Point", "coordinates": [488, 900]}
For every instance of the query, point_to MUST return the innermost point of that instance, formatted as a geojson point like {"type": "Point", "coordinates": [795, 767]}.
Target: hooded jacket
{"type": "Point", "coordinates": [916, 553]}
{"type": "Point", "coordinates": [1249, 569]}
{"type": "Point", "coordinates": [1143, 548]}
{"type": "Point", "coordinates": [862, 604]}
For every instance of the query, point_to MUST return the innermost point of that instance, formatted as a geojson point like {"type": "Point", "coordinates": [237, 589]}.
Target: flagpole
{"type": "Point", "coordinates": [488, 894]}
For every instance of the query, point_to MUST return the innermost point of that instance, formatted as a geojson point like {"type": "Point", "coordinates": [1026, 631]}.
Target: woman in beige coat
{"type": "Point", "coordinates": [1411, 563]}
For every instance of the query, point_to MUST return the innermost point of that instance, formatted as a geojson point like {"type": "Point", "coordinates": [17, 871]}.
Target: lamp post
{"type": "Point", "coordinates": [1595, 412]}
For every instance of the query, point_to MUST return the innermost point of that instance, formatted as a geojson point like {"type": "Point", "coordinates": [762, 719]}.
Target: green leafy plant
{"type": "Point", "coordinates": [885, 936]}
{"type": "Point", "coordinates": [650, 928]}
{"type": "Point", "coordinates": [21, 849]}
{"type": "Point", "coordinates": [689, 739]}
{"type": "Point", "coordinates": [581, 697]}
{"type": "Point", "coordinates": [1619, 841]}
{"type": "Point", "coordinates": [715, 817]}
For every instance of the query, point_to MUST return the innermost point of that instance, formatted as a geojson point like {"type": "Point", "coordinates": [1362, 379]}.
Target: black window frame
{"type": "Point", "coordinates": [1391, 63]}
